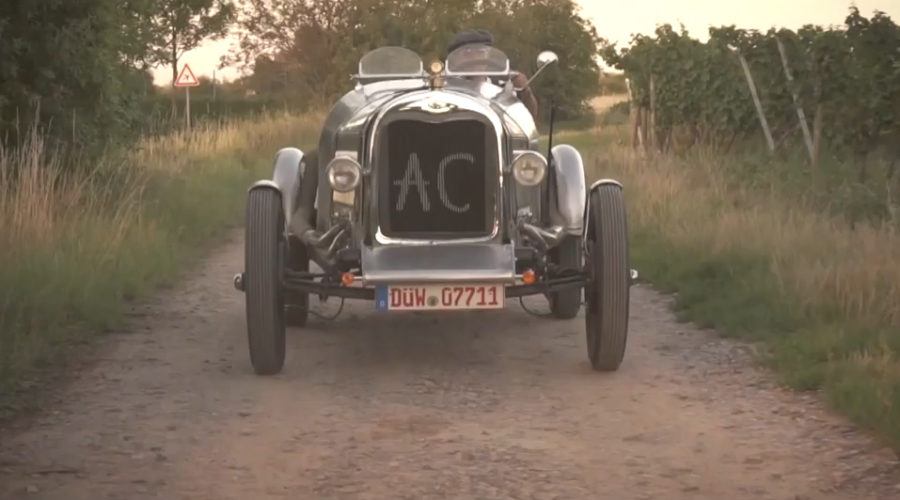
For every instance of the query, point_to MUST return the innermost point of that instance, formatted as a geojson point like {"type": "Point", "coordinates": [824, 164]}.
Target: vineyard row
{"type": "Point", "coordinates": [834, 89]}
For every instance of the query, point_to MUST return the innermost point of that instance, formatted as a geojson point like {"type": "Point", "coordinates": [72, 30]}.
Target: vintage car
{"type": "Point", "coordinates": [428, 191]}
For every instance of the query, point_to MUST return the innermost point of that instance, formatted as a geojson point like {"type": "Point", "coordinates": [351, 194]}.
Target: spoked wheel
{"type": "Point", "coordinates": [264, 261]}
{"type": "Point", "coordinates": [607, 292]}
{"type": "Point", "coordinates": [565, 304]}
{"type": "Point", "coordinates": [296, 310]}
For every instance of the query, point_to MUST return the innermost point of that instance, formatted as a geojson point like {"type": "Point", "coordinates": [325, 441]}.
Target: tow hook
{"type": "Point", "coordinates": [239, 282]}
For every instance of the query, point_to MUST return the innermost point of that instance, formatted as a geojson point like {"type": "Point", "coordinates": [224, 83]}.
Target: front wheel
{"type": "Point", "coordinates": [263, 254]}
{"type": "Point", "coordinates": [608, 288]}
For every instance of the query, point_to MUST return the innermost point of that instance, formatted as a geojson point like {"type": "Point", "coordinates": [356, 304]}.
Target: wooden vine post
{"type": "Point", "coordinates": [817, 125]}
{"type": "Point", "coordinates": [807, 138]}
{"type": "Point", "coordinates": [759, 109]}
{"type": "Point", "coordinates": [817, 137]}
{"type": "Point", "coordinates": [633, 116]}
{"type": "Point", "coordinates": [651, 128]}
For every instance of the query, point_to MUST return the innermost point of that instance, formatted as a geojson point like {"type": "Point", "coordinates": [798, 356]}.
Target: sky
{"type": "Point", "coordinates": [617, 20]}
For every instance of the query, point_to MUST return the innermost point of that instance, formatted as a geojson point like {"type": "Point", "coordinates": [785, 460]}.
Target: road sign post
{"type": "Point", "coordinates": [187, 80]}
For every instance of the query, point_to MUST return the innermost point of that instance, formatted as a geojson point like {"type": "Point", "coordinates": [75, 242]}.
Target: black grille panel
{"type": "Point", "coordinates": [436, 180]}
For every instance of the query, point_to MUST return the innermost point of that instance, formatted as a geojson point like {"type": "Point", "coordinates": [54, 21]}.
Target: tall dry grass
{"type": "Point", "coordinates": [78, 241]}
{"type": "Point", "coordinates": [822, 295]}
{"type": "Point", "coordinates": [854, 271]}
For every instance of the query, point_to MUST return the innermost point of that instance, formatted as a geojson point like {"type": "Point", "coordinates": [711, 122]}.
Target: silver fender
{"type": "Point", "coordinates": [568, 194]}
{"type": "Point", "coordinates": [587, 211]}
{"type": "Point", "coordinates": [286, 178]}
{"type": "Point", "coordinates": [587, 216]}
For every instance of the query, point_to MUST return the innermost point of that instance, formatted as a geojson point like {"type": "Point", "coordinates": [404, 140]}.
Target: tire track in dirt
{"type": "Point", "coordinates": [494, 405]}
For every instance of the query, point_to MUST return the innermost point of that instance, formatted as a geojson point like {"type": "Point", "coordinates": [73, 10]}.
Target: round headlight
{"type": "Point", "coordinates": [529, 168]}
{"type": "Point", "coordinates": [343, 174]}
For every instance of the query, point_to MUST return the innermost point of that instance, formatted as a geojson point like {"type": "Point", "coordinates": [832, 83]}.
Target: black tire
{"type": "Point", "coordinates": [565, 304]}
{"type": "Point", "coordinates": [296, 312]}
{"type": "Point", "coordinates": [607, 292]}
{"type": "Point", "coordinates": [263, 255]}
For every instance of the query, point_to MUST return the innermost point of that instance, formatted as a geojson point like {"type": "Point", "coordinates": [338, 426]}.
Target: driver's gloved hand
{"type": "Point", "coordinates": [520, 81]}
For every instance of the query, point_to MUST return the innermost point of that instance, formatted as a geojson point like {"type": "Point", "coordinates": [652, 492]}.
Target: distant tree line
{"type": "Point", "coordinates": [80, 69]}
{"type": "Point", "coordinates": [304, 51]}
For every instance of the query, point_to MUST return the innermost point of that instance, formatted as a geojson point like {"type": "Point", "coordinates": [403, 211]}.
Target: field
{"type": "Point", "coordinates": [816, 293]}
{"type": "Point", "coordinates": [790, 243]}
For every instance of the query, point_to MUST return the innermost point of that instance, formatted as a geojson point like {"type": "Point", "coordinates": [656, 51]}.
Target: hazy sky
{"type": "Point", "coordinates": [617, 20]}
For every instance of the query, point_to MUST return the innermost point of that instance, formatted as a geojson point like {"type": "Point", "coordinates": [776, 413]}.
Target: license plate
{"type": "Point", "coordinates": [439, 297]}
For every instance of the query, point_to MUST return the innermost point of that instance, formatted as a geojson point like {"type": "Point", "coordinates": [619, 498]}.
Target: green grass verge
{"type": "Point", "coordinates": [739, 296]}
{"type": "Point", "coordinates": [771, 267]}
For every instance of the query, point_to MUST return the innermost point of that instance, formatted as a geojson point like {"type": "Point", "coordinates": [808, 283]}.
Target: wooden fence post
{"type": "Point", "coordinates": [817, 138]}
{"type": "Point", "coordinates": [651, 129]}
{"type": "Point", "coordinates": [807, 138]}
{"type": "Point", "coordinates": [759, 109]}
{"type": "Point", "coordinates": [632, 115]}
{"type": "Point", "coordinates": [817, 126]}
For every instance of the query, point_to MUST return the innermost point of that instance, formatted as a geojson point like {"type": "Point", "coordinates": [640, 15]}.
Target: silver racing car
{"type": "Point", "coordinates": [429, 191]}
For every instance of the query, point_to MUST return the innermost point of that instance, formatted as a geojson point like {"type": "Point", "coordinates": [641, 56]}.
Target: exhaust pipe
{"type": "Point", "coordinates": [545, 239]}
{"type": "Point", "coordinates": [323, 247]}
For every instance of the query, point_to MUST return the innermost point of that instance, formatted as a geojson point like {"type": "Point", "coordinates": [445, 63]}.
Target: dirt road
{"type": "Point", "coordinates": [497, 405]}
{"type": "Point", "coordinates": [604, 102]}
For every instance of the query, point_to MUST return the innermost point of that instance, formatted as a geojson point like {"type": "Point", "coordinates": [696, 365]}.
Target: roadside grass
{"type": "Point", "coordinates": [77, 246]}
{"type": "Point", "coordinates": [816, 289]}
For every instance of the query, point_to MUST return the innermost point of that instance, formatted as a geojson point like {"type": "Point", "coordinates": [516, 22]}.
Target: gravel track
{"type": "Point", "coordinates": [491, 405]}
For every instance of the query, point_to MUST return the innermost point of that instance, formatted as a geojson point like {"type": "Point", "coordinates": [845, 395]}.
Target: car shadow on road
{"type": "Point", "coordinates": [363, 342]}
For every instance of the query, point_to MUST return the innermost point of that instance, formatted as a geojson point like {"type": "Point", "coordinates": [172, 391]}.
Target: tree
{"type": "Point", "coordinates": [174, 27]}
{"type": "Point", "coordinates": [524, 28]}
{"type": "Point", "coordinates": [67, 66]}
{"type": "Point", "coordinates": [309, 48]}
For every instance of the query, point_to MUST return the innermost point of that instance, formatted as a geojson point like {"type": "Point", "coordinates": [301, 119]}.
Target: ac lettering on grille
{"type": "Point", "coordinates": [442, 183]}
{"type": "Point", "coordinates": [414, 176]}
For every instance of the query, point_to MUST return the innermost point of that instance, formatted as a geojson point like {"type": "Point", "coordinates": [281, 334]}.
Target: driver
{"type": "Point", "coordinates": [473, 43]}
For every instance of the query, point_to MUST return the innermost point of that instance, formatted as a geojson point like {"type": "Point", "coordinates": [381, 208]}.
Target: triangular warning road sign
{"type": "Point", "coordinates": [186, 78]}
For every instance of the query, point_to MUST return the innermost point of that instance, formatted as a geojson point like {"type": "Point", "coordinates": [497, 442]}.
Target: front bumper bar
{"type": "Point", "coordinates": [306, 283]}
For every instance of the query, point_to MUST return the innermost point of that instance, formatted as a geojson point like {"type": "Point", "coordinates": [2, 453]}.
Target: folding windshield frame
{"type": "Point", "coordinates": [505, 72]}
{"type": "Point", "coordinates": [394, 76]}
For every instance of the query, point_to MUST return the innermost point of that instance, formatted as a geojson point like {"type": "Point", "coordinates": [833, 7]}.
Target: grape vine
{"type": "Point", "coordinates": [845, 79]}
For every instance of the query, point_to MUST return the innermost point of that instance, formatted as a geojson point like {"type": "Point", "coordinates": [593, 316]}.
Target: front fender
{"type": "Point", "coordinates": [587, 207]}
{"type": "Point", "coordinates": [287, 175]}
{"type": "Point", "coordinates": [568, 193]}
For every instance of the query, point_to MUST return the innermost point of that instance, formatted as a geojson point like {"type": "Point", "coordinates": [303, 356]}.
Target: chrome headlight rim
{"type": "Point", "coordinates": [343, 165]}
{"type": "Point", "coordinates": [529, 159]}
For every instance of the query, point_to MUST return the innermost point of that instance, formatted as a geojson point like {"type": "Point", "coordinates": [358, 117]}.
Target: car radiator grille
{"type": "Point", "coordinates": [436, 179]}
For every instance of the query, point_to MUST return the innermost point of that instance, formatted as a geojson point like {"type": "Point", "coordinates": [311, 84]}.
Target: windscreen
{"type": "Point", "coordinates": [391, 61]}
{"type": "Point", "coordinates": [476, 59]}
